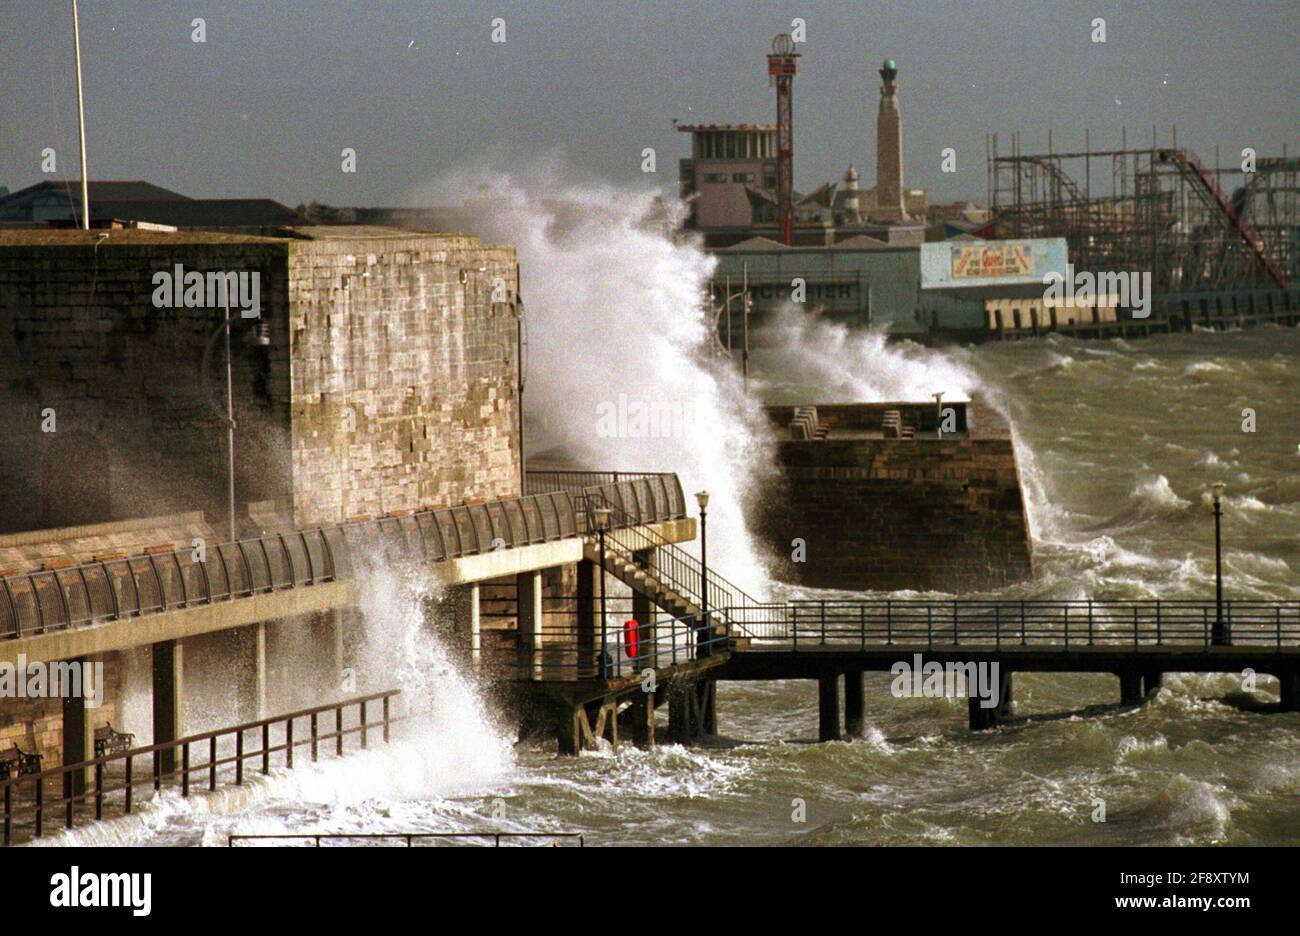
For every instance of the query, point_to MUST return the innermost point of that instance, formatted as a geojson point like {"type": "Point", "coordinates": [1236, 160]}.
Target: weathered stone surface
{"type": "Point", "coordinates": [36, 725]}
{"type": "Point", "coordinates": [388, 381]}
{"type": "Point", "coordinates": [896, 513]}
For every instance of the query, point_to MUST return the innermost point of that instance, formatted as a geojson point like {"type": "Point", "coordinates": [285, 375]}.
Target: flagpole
{"type": "Point", "coordinates": [81, 123]}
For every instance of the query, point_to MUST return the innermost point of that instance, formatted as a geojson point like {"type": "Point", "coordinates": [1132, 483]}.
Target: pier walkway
{"type": "Point", "coordinates": [68, 611]}
{"type": "Point", "coordinates": [164, 597]}
{"type": "Point", "coordinates": [1137, 641]}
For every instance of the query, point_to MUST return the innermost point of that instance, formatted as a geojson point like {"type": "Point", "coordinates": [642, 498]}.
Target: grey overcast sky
{"type": "Point", "coordinates": [265, 105]}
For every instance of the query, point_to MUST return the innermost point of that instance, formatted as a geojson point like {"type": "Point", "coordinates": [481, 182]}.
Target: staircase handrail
{"type": "Point", "coordinates": [675, 567]}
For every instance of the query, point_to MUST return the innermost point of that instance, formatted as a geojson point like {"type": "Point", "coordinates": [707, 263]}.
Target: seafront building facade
{"type": "Point", "coordinates": [378, 376]}
{"type": "Point", "coordinates": [219, 436]}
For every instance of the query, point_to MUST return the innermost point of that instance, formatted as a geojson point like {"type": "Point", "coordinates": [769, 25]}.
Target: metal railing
{"type": "Point", "coordinates": [164, 757]}
{"type": "Point", "coordinates": [662, 488]}
{"type": "Point", "coordinates": [1062, 625]}
{"type": "Point", "coordinates": [567, 653]}
{"type": "Point", "coordinates": [644, 497]}
{"type": "Point", "coordinates": [673, 566]}
{"type": "Point", "coordinates": [114, 589]}
{"type": "Point", "coordinates": [410, 838]}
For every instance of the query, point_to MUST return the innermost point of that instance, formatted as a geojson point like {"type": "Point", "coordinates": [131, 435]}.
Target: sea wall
{"type": "Point", "coordinates": [861, 510]}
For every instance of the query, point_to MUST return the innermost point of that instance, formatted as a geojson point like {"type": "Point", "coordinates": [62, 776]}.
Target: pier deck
{"type": "Point", "coordinates": [1137, 641]}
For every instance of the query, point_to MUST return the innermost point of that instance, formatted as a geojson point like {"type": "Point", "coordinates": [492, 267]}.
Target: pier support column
{"type": "Point", "coordinates": [530, 624]}
{"type": "Point", "coordinates": [475, 626]}
{"type": "Point", "coordinates": [706, 697]}
{"type": "Point", "coordinates": [586, 723]}
{"type": "Point", "coordinates": [168, 686]}
{"type": "Point", "coordinates": [828, 707]}
{"type": "Point", "coordinates": [692, 709]}
{"type": "Point", "coordinates": [1130, 688]}
{"type": "Point", "coordinates": [327, 633]}
{"type": "Point", "coordinates": [78, 728]}
{"type": "Point", "coordinates": [570, 732]}
{"type": "Point", "coordinates": [980, 717]}
{"type": "Point", "coordinates": [854, 715]}
{"type": "Point", "coordinates": [679, 711]}
{"type": "Point", "coordinates": [600, 721]}
{"type": "Point", "coordinates": [1006, 696]}
{"type": "Point", "coordinates": [1152, 680]}
{"type": "Point", "coordinates": [588, 574]}
{"type": "Point", "coordinates": [259, 669]}
{"type": "Point", "coordinates": [983, 716]}
{"type": "Point", "coordinates": [342, 619]}
{"type": "Point", "coordinates": [1289, 686]}
{"type": "Point", "coordinates": [643, 719]}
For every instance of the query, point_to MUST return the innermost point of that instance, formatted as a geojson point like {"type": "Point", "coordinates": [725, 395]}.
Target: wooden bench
{"type": "Point", "coordinates": [110, 741]}
{"type": "Point", "coordinates": [16, 758]}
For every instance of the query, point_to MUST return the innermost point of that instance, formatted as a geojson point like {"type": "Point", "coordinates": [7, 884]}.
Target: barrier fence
{"type": "Point", "coordinates": [173, 761]}
{"type": "Point", "coordinates": [1030, 623]}
{"type": "Point", "coordinates": [640, 497]}
{"type": "Point", "coordinates": [410, 838]}
{"type": "Point", "coordinates": [566, 653]}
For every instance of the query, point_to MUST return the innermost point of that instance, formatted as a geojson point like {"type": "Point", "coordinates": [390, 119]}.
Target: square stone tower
{"type": "Point", "coordinates": [380, 376]}
{"type": "Point", "coordinates": [889, 151]}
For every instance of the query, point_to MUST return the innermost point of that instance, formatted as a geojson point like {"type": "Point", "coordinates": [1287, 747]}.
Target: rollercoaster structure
{"type": "Point", "coordinates": [1156, 209]}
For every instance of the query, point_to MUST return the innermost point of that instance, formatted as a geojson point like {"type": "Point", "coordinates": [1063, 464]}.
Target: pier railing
{"type": "Point", "coordinates": [996, 625]}
{"type": "Point", "coordinates": [411, 839]}
{"type": "Point", "coordinates": [116, 781]}
{"type": "Point", "coordinates": [162, 580]}
{"type": "Point", "coordinates": [569, 654]}
{"type": "Point", "coordinates": [167, 580]}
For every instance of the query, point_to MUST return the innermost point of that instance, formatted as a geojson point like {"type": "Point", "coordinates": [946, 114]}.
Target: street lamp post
{"type": "Point", "coordinates": [601, 518]}
{"type": "Point", "coordinates": [702, 635]}
{"type": "Point", "coordinates": [230, 426]}
{"type": "Point", "coordinates": [1221, 636]}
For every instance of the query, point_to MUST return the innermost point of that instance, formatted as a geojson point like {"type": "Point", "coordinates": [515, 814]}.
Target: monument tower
{"type": "Point", "coordinates": [889, 150]}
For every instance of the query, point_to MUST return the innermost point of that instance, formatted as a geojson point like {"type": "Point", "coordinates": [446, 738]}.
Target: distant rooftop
{"type": "Point", "coordinates": [59, 201]}
{"type": "Point", "coordinates": [198, 212]}
{"type": "Point", "coordinates": [132, 191]}
{"type": "Point", "coordinates": [710, 128]}
{"type": "Point", "coordinates": [58, 237]}
{"type": "Point", "coordinates": [73, 237]}
{"type": "Point", "coordinates": [358, 232]}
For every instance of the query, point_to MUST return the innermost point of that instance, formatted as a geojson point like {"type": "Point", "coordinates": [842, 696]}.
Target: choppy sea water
{"type": "Point", "coordinates": [1118, 440]}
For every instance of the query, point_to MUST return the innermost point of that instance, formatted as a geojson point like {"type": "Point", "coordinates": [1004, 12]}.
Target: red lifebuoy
{"type": "Point", "coordinates": [632, 638]}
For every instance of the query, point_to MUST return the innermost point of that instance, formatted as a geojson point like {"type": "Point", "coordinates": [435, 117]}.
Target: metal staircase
{"type": "Point", "coordinates": [670, 577]}
{"type": "Point", "coordinates": [665, 573]}
{"type": "Point", "coordinates": [620, 564]}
